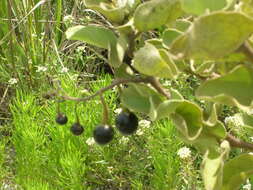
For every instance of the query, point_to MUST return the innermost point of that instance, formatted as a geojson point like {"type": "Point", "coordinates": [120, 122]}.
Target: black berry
{"type": "Point", "coordinates": [103, 134]}
{"type": "Point", "coordinates": [126, 123]}
{"type": "Point", "coordinates": [76, 129]}
{"type": "Point", "coordinates": [61, 119]}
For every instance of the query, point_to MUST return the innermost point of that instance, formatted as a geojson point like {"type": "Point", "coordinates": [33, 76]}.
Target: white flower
{"type": "Point", "coordinates": [12, 81]}
{"type": "Point", "coordinates": [167, 83]}
{"type": "Point", "coordinates": [84, 91]}
{"type": "Point", "coordinates": [139, 132]}
{"type": "Point", "coordinates": [64, 70]}
{"type": "Point", "coordinates": [247, 186]}
{"type": "Point", "coordinates": [110, 169]}
{"type": "Point", "coordinates": [184, 152]}
{"type": "Point", "coordinates": [234, 121]}
{"type": "Point", "coordinates": [34, 35]}
{"type": "Point", "coordinates": [90, 141]}
{"type": "Point", "coordinates": [74, 77]}
{"type": "Point", "coordinates": [144, 123]}
{"type": "Point", "coordinates": [114, 88]}
{"type": "Point", "coordinates": [250, 112]}
{"type": "Point", "coordinates": [124, 140]}
{"type": "Point", "coordinates": [80, 49]}
{"type": "Point", "coordinates": [202, 101]}
{"type": "Point", "coordinates": [41, 69]}
{"type": "Point", "coordinates": [238, 6]}
{"type": "Point", "coordinates": [6, 186]}
{"type": "Point", "coordinates": [118, 110]}
{"type": "Point", "coordinates": [68, 19]}
{"type": "Point", "coordinates": [97, 101]}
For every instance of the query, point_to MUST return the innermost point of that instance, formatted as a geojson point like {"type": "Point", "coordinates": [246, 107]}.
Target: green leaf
{"type": "Point", "coordinates": [155, 13]}
{"type": "Point", "coordinates": [212, 126]}
{"type": "Point", "coordinates": [170, 35]}
{"type": "Point", "coordinates": [235, 88]}
{"type": "Point", "coordinates": [187, 133]}
{"type": "Point", "coordinates": [153, 112]}
{"type": "Point", "coordinates": [117, 51]}
{"type": "Point", "coordinates": [137, 97]}
{"type": "Point", "coordinates": [168, 59]}
{"type": "Point", "coordinates": [236, 171]}
{"type": "Point", "coordinates": [105, 7]}
{"type": "Point", "coordinates": [123, 71]}
{"type": "Point", "coordinates": [188, 116]}
{"type": "Point", "coordinates": [212, 167]}
{"type": "Point", "coordinates": [247, 7]}
{"type": "Point", "coordinates": [199, 7]}
{"type": "Point", "coordinates": [94, 35]}
{"type": "Point", "coordinates": [212, 117]}
{"type": "Point", "coordinates": [175, 94]}
{"type": "Point", "coordinates": [214, 36]}
{"type": "Point", "coordinates": [148, 61]}
{"type": "Point", "coordinates": [216, 130]}
{"type": "Point", "coordinates": [247, 120]}
{"type": "Point", "coordinates": [181, 25]}
{"type": "Point", "coordinates": [205, 69]}
{"type": "Point", "coordinates": [158, 43]}
{"type": "Point", "coordinates": [127, 28]}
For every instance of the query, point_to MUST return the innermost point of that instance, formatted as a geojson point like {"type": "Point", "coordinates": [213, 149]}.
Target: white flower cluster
{"type": "Point", "coordinates": [247, 186]}
{"type": "Point", "coordinates": [85, 91]}
{"type": "Point", "coordinates": [90, 141]}
{"type": "Point", "coordinates": [12, 81]}
{"type": "Point", "coordinates": [68, 19]}
{"type": "Point", "coordinates": [64, 70]}
{"type": "Point", "coordinates": [143, 124]}
{"type": "Point", "coordinates": [250, 112]}
{"type": "Point", "coordinates": [6, 186]}
{"type": "Point", "coordinates": [41, 69]}
{"type": "Point", "coordinates": [238, 6]}
{"type": "Point", "coordinates": [124, 140]}
{"type": "Point", "coordinates": [167, 83]}
{"type": "Point", "coordinates": [184, 153]}
{"type": "Point", "coordinates": [118, 111]}
{"type": "Point", "coordinates": [80, 49]}
{"type": "Point", "coordinates": [234, 121]}
{"type": "Point", "coordinates": [35, 36]}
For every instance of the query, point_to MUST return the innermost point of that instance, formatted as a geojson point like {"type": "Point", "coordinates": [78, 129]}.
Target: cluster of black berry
{"type": "Point", "coordinates": [76, 128]}
{"type": "Point", "coordinates": [126, 123]}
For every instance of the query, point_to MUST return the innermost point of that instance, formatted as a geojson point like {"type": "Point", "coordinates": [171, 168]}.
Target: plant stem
{"type": "Point", "coordinates": [105, 110]}
{"type": "Point", "coordinates": [157, 85]}
{"type": "Point", "coordinates": [235, 142]}
{"type": "Point", "coordinates": [154, 82]}
{"type": "Point", "coordinates": [76, 113]}
{"type": "Point", "coordinates": [247, 50]}
{"type": "Point", "coordinates": [16, 75]}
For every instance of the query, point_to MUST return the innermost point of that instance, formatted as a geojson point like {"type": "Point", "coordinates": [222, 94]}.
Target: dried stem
{"type": "Point", "coordinates": [235, 142]}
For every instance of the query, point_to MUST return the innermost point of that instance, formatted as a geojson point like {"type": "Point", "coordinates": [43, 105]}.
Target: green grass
{"type": "Point", "coordinates": [35, 152]}
{"type": "Point", "coordinates": [48, 156]}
